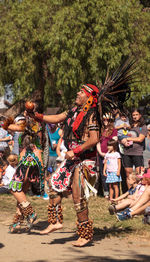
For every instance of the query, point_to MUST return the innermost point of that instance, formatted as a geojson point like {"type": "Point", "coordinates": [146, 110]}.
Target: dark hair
{"type": "Point", "coordinates": [141, 121]}
{"type": "Point", "coordinates": [67, 129]}
{"type": "Point", "coordinates": [123, 114]}
{"type": "Point", "coordinates": [29, 137]}
{"type": "Point", "coordinates": [109, 131]}
{"type": "Point", "coordinates": [113, 143]}
{"type": "Point", "coordinates": [5, 162]}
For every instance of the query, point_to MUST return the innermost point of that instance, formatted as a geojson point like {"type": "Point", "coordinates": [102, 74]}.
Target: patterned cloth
{"type": "Point", "coordinates": [29, 167]}
{"type": "Point", "coordinates": [132, 190]}
{"type": "Point", "coordinates": [62, 178]}
{"type": "Point", "coordinates": [112, 177]}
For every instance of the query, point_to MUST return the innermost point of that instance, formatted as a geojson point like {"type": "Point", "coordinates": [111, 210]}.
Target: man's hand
{"type": "Point", "coordinates": [54, 146]}
{"type": "Point", "coordinates": [70, 155]}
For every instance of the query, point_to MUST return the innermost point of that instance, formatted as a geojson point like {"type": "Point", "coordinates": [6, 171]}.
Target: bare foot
{"type": "Point", "coordinates": [81, 242]}
{"type": "Point", "coordinates": [51, 228]}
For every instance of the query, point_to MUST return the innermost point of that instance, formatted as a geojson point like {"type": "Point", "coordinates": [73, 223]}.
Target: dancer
{"type": "Point", "coordinates": [81, 134]}
{"type": "Point", "coordinates": [29, 170]}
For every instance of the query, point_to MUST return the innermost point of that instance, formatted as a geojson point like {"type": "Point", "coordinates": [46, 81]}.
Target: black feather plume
{"type": "Point", "coordinates": [116, 88]}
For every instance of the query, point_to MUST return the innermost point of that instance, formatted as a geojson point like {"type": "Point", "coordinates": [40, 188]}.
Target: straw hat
{"type": "Point", "coordinates": [12, 159]}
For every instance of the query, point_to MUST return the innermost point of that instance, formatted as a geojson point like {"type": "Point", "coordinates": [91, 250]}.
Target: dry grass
{"type": "Point", "coordinates": [104, 224]}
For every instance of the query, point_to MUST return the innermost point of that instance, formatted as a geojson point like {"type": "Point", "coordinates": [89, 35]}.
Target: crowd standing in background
{"type": "Point", "coordinates": [133, 141]}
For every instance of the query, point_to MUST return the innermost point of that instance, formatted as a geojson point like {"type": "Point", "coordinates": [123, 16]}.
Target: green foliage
{"type": "Point", "coordinates": [145, 3]}
{"type": "Point", "coordinates": [54, 46]}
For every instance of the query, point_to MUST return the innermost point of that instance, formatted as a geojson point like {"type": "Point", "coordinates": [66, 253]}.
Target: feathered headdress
{"type": "Point", "coordinates": [116, 88]}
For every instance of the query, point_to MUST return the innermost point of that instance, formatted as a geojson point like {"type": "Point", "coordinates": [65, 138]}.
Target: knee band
{"type": "Point", "coordinates": [80, 207]}
{"type": "Point", "coordinates": [53, 195]}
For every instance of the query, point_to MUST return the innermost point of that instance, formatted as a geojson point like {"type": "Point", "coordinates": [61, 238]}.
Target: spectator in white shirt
{"type": "Point", "coordinates": [5, 137]}
{"type": "Point", "coordinates": [9, 172]}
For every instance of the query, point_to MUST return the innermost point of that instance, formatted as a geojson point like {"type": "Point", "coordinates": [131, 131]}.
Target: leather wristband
{"type": "Point", "coordinates": [38, 117]}
{"type": "Point", "coordinates": [77, 150]}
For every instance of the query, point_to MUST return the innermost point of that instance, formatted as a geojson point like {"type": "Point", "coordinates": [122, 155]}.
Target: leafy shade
{"type": "Point", "coordinates": [55, 46]}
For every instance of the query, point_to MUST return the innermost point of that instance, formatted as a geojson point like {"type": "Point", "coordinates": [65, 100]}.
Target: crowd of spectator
{"type": "Point", "coordinates": [123, 161]}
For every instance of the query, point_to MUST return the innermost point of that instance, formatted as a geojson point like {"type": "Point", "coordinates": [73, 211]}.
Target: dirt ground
{"type": "Point", "coordinates": [33, 247]}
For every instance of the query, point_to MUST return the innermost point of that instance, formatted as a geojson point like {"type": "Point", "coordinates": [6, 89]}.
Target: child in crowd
{"type": "Point", "coordinates": [10, 169]}
{"type": "Point", "coordinates": [3, 166]}
{"type": "Point", "coordinates": [112, 166]}
{"type": "Point", "coordinates": [133, 181]}
{"type": "Point", "coordinates": [138, 206]}
{"type": "Point", "coordinates": [128, 202]}
{"type": "Point", "coordinates": [122, 125]}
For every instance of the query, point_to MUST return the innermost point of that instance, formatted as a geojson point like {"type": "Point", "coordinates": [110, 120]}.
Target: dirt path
{"type": "Point", "coordinates": [57, 247]}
